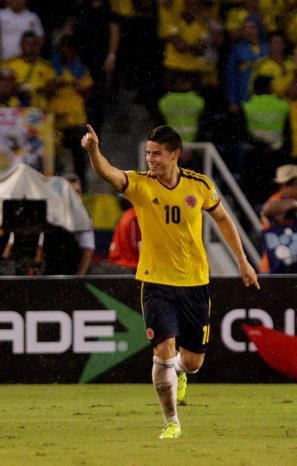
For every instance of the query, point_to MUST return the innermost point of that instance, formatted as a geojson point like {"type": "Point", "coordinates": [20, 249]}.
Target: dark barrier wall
{"type": "Point", "coordinates": [69, 330]}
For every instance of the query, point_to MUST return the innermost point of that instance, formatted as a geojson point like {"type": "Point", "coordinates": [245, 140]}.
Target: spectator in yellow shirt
{"type": "Point", "coordinates": [191, 47]}
{"type": "Point", "coordinates": [168, 13]}
{"type": "Point", "coordinates": [33, 73]}
{"type": "Point", "coordinates": [278, 65]}
{"type": "Point", "coordinates": [273, 13]}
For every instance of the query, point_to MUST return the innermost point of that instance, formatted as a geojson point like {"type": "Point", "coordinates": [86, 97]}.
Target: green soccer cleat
{"type": "Point", "coordinates": [171, 430]}
{"type": "Point", "coordinates": [182, 386]}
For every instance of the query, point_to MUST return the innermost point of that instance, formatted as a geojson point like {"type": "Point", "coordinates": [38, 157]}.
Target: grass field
{"type": "Point", "coordinates": [119, 425]}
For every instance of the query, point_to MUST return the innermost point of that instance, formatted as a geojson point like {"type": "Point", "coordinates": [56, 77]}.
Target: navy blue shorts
{"type": "Point", "coordinates": [180, 312]}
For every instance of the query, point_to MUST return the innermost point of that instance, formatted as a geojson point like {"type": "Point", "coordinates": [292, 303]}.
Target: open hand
{"type": "Point", "coordinates": [90, 140]}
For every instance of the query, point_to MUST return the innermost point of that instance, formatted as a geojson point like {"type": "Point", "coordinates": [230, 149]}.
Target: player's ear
{"type": "Point", "coordinates": [177, 153]}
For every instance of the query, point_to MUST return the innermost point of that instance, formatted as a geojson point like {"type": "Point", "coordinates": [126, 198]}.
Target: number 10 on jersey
{"type": "Point", "coordinates": [172, 214]}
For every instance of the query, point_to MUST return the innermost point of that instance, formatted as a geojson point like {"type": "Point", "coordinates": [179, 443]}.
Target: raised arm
{"type": "Point", "coordinates": [115, 177]}
{"type": "Point", "coordinates": [231, 235]}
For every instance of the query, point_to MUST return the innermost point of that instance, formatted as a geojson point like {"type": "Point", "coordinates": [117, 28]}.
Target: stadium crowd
{"type": "Point", "coordinates": [223, 71]}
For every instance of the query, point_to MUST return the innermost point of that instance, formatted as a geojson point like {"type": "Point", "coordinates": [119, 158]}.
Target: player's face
{"type": "Point", "coordinates": [159, 160]}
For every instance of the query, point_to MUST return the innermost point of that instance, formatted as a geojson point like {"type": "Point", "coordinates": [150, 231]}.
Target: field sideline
{"type": "Point", "coordinates": [61, 425]}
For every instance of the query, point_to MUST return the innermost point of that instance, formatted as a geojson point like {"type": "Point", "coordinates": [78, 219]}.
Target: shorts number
{"type": "Point", "coordinates": [172, 214]}
{"type": "Point", "coordinates": [205, 339]}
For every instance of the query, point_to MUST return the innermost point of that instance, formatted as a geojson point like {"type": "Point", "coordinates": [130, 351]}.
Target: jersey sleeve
{"type": "Point", "coordinates": [132, 188]}
{"type": "Point", "coordinates": [211, 197]}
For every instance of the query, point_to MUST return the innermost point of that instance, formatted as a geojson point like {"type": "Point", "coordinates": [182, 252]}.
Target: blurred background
{"type": "Point", "coordinates": [222, 72]}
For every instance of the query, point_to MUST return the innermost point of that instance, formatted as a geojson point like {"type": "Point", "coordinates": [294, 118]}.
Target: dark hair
{"type": "Point", "coordinates": [30, 33]}
{"type": "Point", "coordinates": [72, 177]}
{"type": "Point", "coordinates": [262, 85]}
{"type": "Point", "coordinates": [291, 182]}
{"type": "Point", "coordinates": [167, 136]}
{"type": "Point", "coordinates": [68, 41]}
{"type": "Point", "coordinates": [209, 3]}
{"type": "Point", "coordinates": [277, 33]}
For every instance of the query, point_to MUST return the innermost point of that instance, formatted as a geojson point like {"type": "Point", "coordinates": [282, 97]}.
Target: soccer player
{"type": "Point", "coordinates": [172, 266]}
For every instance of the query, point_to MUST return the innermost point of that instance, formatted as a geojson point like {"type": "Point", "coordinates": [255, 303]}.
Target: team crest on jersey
{"type": "Point", "coordinates": [150, 333]}
{"type": "Point", "coordinates": [191, 201]}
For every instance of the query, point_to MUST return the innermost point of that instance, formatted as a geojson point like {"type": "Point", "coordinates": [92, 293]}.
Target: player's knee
{"type": "Point", "coordinates": [165, 349]}
{"type": "Point", "coordinates": [193, 365]}
{"type": "Point", "coordinates": [193, 368]}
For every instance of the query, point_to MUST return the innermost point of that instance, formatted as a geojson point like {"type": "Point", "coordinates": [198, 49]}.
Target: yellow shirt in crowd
{"type": "Point", "coordinates": [34, 76]}
{"type": "Point", "coordinates": [126, 8]}
{"type": "Point", "coordinates": [13, 102]}
{"type": "Point", "coordinates": [187, 61]}
{"type": "Point", "coordinates": [168, 17]}
{"type": "Point", "coordinates": [281, 75]}
{"type": "Point", "coordinates": [68, 105]}
{"type": "Point", "coordinates": [270, 10]}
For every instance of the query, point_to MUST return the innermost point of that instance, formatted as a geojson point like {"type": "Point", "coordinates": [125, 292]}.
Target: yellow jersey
{"type": "Point", "coordinates": [186, 61]}
{"type": "Point", "coordinates": [122, 7]}
{"type": "Point", "coordinates": [270, 12]}
{"type": "Point", "coordinates": [168, 16]}
{"type": "Point", "coordinates": [12, 102]}
{"type": "Point", "coordinates": [129, 9]}
{"type": "Point", "coordinates": [68, 105]}
{"type": "Point", "coordinates": [281, 74]}
{"type": "Point", "coordinates": [172, 251]}
{"type": "Point", "coordinates": [35, 76]}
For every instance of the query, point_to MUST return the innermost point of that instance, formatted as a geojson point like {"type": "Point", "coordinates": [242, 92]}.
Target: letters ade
{"type": "Point", "coordinates": [64, 356]}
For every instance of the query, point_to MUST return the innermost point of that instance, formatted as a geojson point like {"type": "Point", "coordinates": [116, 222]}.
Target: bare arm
{"type": "Point", "coordinates": [231, 235]}
{"type": "Point", "coordinates": [114, 41]}
{"type": "Point", "coordinates": [85, 260]}
{"type": "Point", "coordinates": [115, 177]}
{"type": "Point", "coordinates": [274, 207]}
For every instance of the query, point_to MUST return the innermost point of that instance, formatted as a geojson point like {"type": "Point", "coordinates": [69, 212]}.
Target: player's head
{"type": "Point", "coordinates": [163, 149]}
{"type": "Point", "coordinates": [167, 136]}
